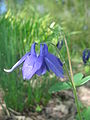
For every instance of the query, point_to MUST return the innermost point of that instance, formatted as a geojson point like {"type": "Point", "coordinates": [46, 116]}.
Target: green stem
{"type": "Point", "coordinates": [72, 81]}
{"type": "Point", "coordinates": [70, 78]}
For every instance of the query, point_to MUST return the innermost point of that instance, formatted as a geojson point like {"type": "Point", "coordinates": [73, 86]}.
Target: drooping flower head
{"type": "Point", "coordinates": [53, 63]}
{"type": "Point", "coordinates": [39, 64]}
{"type": "Point", "coordinates": [86, 55]}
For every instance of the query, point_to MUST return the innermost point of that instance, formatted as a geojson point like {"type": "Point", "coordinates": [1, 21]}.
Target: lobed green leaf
{"type": "Point", "coordinates": [78, 80]}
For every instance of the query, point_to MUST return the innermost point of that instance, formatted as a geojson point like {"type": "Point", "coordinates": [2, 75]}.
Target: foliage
{"type": "Point", "coordinates": [85, 114]}
{"type": "Point", "coordinates": [17, 34]}
{"type": "Point", "coordinates": [18, 31]}
{"type": "Point", "coordinates": [78, 80]}
{"type": "Point", "coordinates": [73, 16]}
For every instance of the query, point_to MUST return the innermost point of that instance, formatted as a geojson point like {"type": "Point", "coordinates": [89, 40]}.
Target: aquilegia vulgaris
{"type": "Point", "coordinates": [39, 64]}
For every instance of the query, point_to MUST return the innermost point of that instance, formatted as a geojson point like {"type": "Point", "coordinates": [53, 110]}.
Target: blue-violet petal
{"type": "Point", "coordinates": [18, 63]}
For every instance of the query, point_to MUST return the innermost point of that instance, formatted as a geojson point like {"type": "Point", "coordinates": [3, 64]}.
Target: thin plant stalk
{"type": "Point", "coordinates": [72, 81]}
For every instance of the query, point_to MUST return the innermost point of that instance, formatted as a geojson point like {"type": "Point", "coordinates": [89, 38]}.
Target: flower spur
{"type": "Point", "coordinates": [39, 64]}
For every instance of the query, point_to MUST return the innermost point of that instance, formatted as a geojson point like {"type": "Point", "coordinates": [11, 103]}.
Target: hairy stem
{"type": "Point", "coordinates": [72, 81]}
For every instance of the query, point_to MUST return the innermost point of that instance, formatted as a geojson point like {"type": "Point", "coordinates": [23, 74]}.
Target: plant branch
{"type": "Point", "coordinates": [72, 80]}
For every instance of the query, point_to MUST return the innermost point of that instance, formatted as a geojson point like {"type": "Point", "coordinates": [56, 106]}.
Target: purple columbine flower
{"type": "Point", "coordinates": [86, 55]}
{"type": "Point", "coordinates": [53, 63]}
{"type": "Point", "coordinates": [39, 64]}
